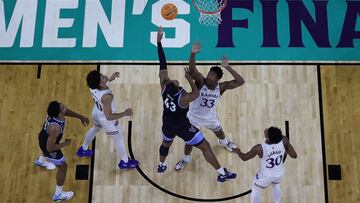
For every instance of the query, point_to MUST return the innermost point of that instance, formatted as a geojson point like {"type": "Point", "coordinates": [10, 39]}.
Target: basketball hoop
{"type": "Point", "coordinates": [210, 11]}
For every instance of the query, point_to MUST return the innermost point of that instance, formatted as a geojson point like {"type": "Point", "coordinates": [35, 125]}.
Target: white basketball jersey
{"type": "Point", "coordinates": [205, 105]}
{"type": "Point", "coordinates": [272, 164]}
{"type": "Point", "coordinates": [98, 105]}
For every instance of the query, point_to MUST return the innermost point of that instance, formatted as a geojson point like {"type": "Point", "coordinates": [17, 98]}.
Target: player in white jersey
{"type": "Point", "coordinates": [202, 112]}
{"type": "Point", "coordinates": [104, 116]}
{"type": "Point", "coordinates": [271, 153]}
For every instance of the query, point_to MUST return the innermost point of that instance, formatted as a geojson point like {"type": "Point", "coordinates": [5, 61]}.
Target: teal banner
{"type": "Point", "coordinates": [125, 30]}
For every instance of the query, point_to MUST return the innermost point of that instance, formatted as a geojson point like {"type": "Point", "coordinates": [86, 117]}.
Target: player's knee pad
{"type": "Point", "coordinates": [164, 151]}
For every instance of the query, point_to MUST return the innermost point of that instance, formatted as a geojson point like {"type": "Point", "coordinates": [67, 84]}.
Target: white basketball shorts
{"type": "Point", "coordinates": [211, 124]}
{"type": "Point", "coordinates": [110, 127]}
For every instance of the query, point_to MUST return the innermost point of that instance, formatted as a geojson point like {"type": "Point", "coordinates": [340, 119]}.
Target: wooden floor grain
{"type": "Point", "coordinates": [341, 99]}
{"type": "Point", "coordinates": [23, 103]}
{"type": "Point", "coordinates": [270, 96]}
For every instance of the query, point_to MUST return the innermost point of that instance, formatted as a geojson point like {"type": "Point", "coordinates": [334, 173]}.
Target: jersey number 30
{"type": "Point", "coordinates": [271, 162]}
{"type": "Point", "coordinates": [170, 105]}
{"type": "Point", "coordinates": [98, 106]}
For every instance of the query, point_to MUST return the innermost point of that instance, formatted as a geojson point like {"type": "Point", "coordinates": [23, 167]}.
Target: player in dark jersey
{"type": "Point", "coordinates": [50, 145]}
{"type": "Point", "coordinates": [175, 122]}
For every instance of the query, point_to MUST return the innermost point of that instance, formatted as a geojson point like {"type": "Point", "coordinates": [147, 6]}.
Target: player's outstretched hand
{"type": "Point", "coordinates": [196, 47]}
{"type": "Point", "coordinates": [85, 121]}
{"type": "Point", "coordinates": [160, 34]}
{"type": "Point", "coordinates": [224, 62]}
{"type": "Point", "coordinates": [128, 112]}
{"type": "Point", "coordinates": [114, 75]}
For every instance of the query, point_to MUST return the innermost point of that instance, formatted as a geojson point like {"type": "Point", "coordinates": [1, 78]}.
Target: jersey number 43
{"type": "Point", "coordinates": [170, 105]}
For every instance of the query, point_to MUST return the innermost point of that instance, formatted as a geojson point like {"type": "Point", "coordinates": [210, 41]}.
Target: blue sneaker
{"type": "Point", "coordinates": [227, 176]}
{"type": "Point", "coordinates": [63, 196]}
{"type": "Point", "coordinates": [132, 163]}
{"type": "Point", "coordinates": [81, 152]}
{"type": "Point", "coordinates": [161, 168]}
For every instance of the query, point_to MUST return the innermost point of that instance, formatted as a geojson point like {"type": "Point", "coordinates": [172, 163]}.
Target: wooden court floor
{"type": "Point", "coordinates": [341, 101]}
{"type": "Point", "coordinates": [270, 96]}
{"type": "Point", "coordinates": [23, 103]}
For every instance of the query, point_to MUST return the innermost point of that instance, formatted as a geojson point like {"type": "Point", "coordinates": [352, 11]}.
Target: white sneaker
{"type": "Point", "coordinates": [63, 196]}
{"type": "Point", "coordinates": [182, 163]}
{"type": "Point", "coordinates": [48, 165]}
{"type": "Point", "coordinates": [229, 145]}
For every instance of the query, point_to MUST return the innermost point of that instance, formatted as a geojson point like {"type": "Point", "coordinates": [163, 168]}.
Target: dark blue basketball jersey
{"type": "Point", "coordinates": [51, 121]}
{"type": "Point", "coordinates": [173, 111]}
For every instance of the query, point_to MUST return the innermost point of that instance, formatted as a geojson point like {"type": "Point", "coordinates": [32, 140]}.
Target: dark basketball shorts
{"type": "Point", "coordinates": [189, 133]}
{"type": "Point", "coordinates": [56, 157]}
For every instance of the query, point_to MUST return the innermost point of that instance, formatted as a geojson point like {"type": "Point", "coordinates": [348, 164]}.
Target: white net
{"type": "Point", "coordinates": [210, 19]}
{"type": "Point", "coordinates": [210, 11]}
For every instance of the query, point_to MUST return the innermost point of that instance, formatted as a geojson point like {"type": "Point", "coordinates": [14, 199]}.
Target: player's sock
{"type": "Point", "coordinates": [90, 136]}
{"type": "Point", "coordinates": [276, 193]}
{"type": "Point", "coordinates": [224, 141]}
{"type": "Point", "coordinates": [255, 194]}
{"type": "Point", "coordinates": [58, 189]}
{"type": "Point", "coordinates": [187, 157]}
{"type": "Point", "coordinates": [120, 146]}
{"type": "Point", "coordinates": [221, 171]}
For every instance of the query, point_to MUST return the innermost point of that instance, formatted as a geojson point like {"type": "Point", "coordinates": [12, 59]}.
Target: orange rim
{"type": "Point", "coordinates": [210, 12]}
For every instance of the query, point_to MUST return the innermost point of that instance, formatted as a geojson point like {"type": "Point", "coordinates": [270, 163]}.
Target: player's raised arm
{"type": "Point", "coordinates": [83, 119]}
{"type": "Point", "coordinates": [195, 74]}
{"type": "Point", "coordinates": [289, 148]}
{"type": "Point", "coordinates": [186, 98]}
{"type": "Point", "coordinates": [114, 76]}
{"type": "Point", "coordinates": [256, 150]}
{"type": "Point", "coordinates": [109, 115]}
{"type": "Point", "coordinates": [238, 80]}
{"type": "Point", "coordinates": [163, 74]}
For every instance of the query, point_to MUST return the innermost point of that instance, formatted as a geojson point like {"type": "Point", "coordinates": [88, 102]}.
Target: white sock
{"type": "Point", "coordinates": [120, 146]}
{"type": "Point", "coordinates": [42, 159]}
{"type": "Point", "coordinates": [255, 194]}
{"type": "Point", "coordinates": [90, 135]}
{"type": "Point", "coordinates": [276, 193]}
{"type": "Point", "coordinates": [58, 189]}
{"type": "Point", "coordinates": [224, 141]}
{"type": "Point", "coordinates": [187, 158]}
{"type": "Point", "coordinates": [221, 171]}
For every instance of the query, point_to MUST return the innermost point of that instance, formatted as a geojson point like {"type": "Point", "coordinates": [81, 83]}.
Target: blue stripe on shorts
{"type": "Point", "coordinates": [196, 139]}
{"type": "Point", "coordinates": [166, 139]}
{"type": "Point", "coordinates": [57, 162]}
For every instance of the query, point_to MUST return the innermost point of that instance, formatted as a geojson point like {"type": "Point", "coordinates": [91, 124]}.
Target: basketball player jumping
{"type": "Point", "coordinates": [104, 116]}
{"type": "Point", "coordinates": [49, 142]}
{"type": "Point", "coordinates": [202, 112]}
{"type": "Point", "coordinates": [176, 104]}
{"type": "Point", "coordinates": [271, 154]}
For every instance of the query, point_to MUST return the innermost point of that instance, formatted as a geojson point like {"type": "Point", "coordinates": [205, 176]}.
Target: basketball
{"type": "Point", "coordinates": [169, 11]}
